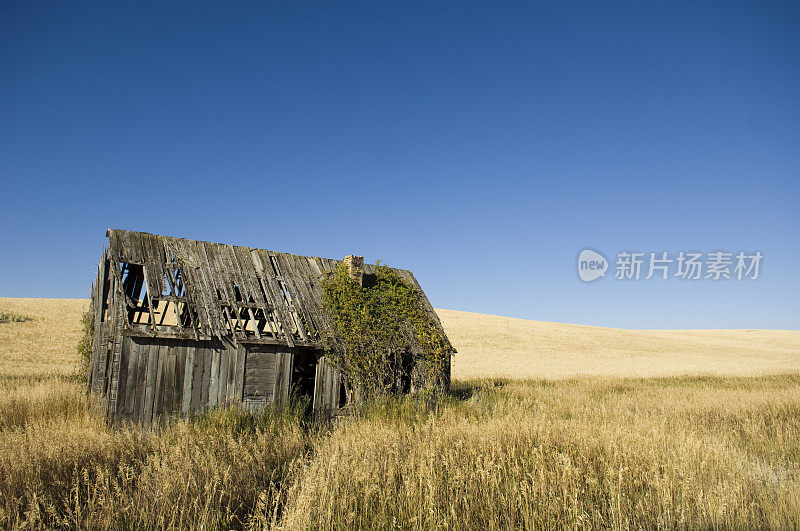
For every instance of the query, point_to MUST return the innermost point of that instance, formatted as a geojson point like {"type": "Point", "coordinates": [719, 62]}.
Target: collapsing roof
{"type": "Point", "coordinates": [199, 289]}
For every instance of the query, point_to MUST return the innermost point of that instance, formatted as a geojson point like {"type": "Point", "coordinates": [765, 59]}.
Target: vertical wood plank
{"type": "Point", "coordinates": [229, 372]}
{"type": "Point", "coordinates": [328, 387]}
{"type": "Point", "coordinates": [169, 382]}
{"type": "Point", "coordinates": [337, 382]}
{"type": "Point", "coordinates": [143, 353]}
{"type": "Point", "coordinates": [286, 376]}
{"type": "Point", "coordinates": [197, 384]}
{"type": "Point", "coordinates": [241, 357]}
{"type": "Point", "coordinates": [122, 377]}
{"type": "Point", "coordinates": [319, 386]}
{"type": "Point", "coordinates": [213, 386]}
{"type": "Point", "coordinates": [180, 369]}
{"type": "Point", "coordinates": [207, 364]}
{"type": "Point", "coordinates": [130, 383]}
{"type": "Point", "coordinates": [149, 397]}
{"type": "Point", "coordinates": [158, 390]}
{"type": "Point", "coordinates": [188, 380]}
{"type": "Point", "coordinates": [276, 391]}
{"type": "Point", "coordinates": [222, 380]}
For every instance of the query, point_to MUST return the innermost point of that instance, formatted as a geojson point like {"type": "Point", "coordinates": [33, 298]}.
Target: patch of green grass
{"type": "Point", "coordinates": [11, 317]}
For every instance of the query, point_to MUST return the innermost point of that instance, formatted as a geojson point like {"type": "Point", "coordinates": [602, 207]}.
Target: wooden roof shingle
{"type": "Point", "coordinates": [219, 278]}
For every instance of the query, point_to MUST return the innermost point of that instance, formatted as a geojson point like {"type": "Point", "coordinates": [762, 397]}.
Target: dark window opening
{"type": "Point", "coordinates": [136, 300]}
{"type": "Point", "coordinates": [188, 316]}
{"type": "Point", "coordinates": [173, 283]}
{"type": "Point", "coordinates": [169, 309]}
{"type": "Point", "coordinates": [304, 373]}
{"type": "Point", "coordinates": [403, 366]}
{"type": "Point", "coordinates": [369, 280]}
{"type": "Point", "coordinates": [248, 320]}
{"type": "Point", "coordinates": [173, 278]}
{"type": "Point", "coordinates": [132, 280]}
{"type": "Point", "coordinates": [342, 395]}
{"type": "Point", "coordinates": [261, 322]}
{"type": "Point", "coordinates": [406, 367]}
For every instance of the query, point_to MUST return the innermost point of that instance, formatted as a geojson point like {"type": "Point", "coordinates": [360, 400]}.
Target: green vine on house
{"type": "Point", "coordinates": [379, 330]}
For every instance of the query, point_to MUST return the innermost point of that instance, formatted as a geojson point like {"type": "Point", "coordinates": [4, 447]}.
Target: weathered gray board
{"type": "Point", "coordinates": [327, 389]}
{"type": "Point", "coordinates": [163, 376]}
{"type": "Point", "coordinates": [267, 374]}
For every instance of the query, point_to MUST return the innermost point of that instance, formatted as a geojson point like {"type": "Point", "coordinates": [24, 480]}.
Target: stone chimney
{"type": "Point", "coordinates": [355, 267]}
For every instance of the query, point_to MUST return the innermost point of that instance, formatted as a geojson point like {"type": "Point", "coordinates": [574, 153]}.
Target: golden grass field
{"type": "Point", "coordinates": [46, 343]}
{"type": "Point", "coordinates": [488, 346]}
{"type": "Point", "coordinates": [503, 347]}
{"type": "Point", "coordinates": [549, 425]}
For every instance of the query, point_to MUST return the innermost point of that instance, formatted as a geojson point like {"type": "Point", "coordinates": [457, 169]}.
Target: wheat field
{"type": "Point", "coordinates": [548, 426]}
{"type": "Point", "coordinates": [490, 346]}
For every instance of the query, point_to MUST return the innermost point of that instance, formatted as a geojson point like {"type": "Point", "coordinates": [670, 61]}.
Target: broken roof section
{"type": "Point", "coordinates": [189, 287]}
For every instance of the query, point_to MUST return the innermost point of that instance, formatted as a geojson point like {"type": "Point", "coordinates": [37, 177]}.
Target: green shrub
{"type": "Point", "coordinates": [378, 329]}
{"type": "Point", "coordinates": [11, 317]}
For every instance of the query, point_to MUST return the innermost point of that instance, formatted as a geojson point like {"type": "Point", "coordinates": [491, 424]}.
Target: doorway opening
{"type": "Point", "coordinates": [304, 376]}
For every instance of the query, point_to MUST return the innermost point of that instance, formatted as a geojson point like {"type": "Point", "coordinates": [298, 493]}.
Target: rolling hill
{"type": "Point", "coordinates": [488, 346]}
{"type": "Point", "coordinates": [503, 347]}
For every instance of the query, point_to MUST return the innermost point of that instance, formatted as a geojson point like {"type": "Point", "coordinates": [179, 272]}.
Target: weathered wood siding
{"type": "Point", "coordinates": [267, 374]}
{"type": "Point", "coordinates": [160, 377]}
{"type": "Point", "coordinates": [327, 389]}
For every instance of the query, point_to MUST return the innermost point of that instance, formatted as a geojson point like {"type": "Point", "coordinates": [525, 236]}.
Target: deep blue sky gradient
{"type": "Point", "coordinates": [481, 145]}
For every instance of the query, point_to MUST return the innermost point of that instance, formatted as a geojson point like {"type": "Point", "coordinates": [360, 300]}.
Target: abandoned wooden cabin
{"type": "Point", "coordinates": [181, 325]}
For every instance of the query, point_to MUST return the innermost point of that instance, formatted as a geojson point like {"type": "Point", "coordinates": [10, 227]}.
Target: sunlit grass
{"type": "Point", "coordinates": [614, 453]}
{"type": "Point", "coordinates": [675, 451]}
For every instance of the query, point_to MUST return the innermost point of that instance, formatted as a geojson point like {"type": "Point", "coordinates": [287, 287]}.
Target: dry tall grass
{"type": "Point", "coordinates": [74, 471]}
{"type": "Point", "coordinates": [621, 454]}
{"type": "Point", "coordinates": [617, 453]}
{"type": "Point", "coordinates": [590, 452]}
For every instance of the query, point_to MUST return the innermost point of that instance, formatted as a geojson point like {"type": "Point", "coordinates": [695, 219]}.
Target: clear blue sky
{"type": "Point", "coordinates": [480, 145]}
